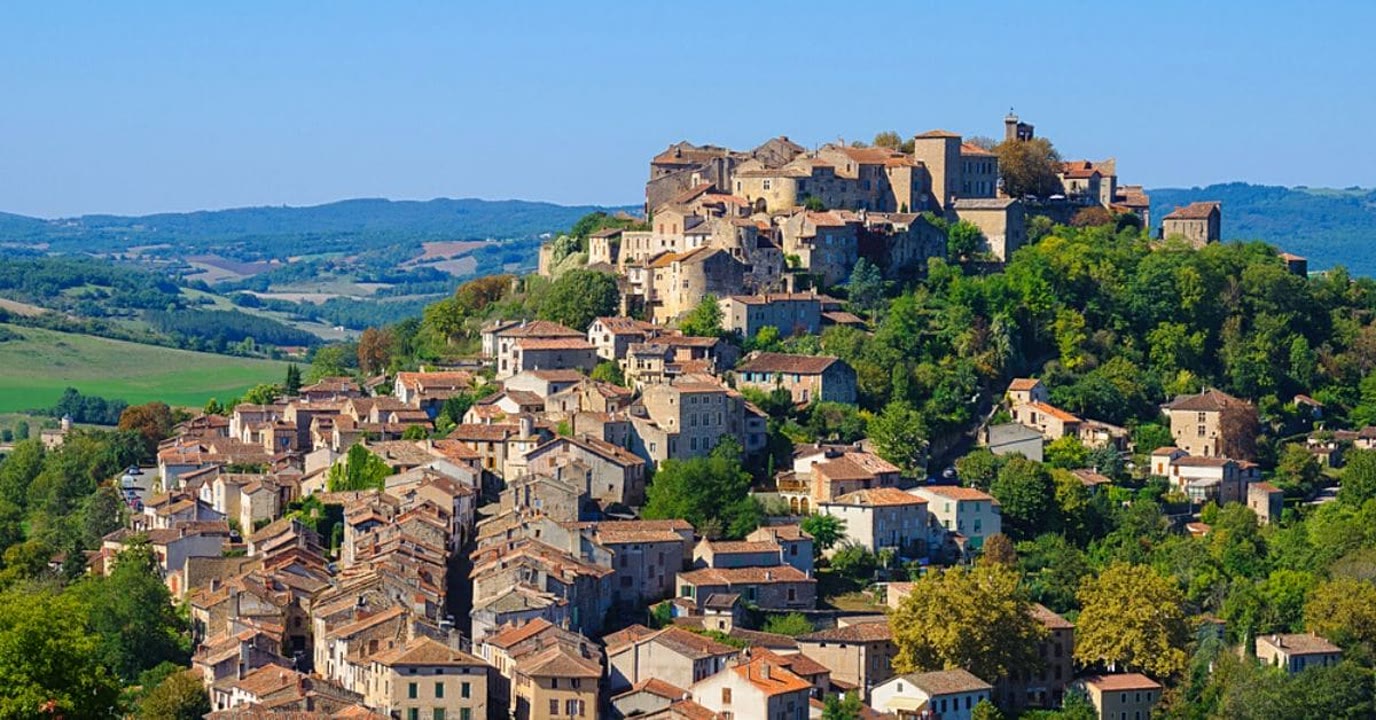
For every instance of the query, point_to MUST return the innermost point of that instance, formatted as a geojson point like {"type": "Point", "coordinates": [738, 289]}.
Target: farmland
{"type": "Point", "coordinates": [34, 371]}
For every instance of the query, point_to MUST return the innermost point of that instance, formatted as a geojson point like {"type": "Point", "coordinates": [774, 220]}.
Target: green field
{"type": "Point", "coordinates": [34, 371]}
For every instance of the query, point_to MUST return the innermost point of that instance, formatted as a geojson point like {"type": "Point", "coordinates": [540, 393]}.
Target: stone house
{"type": "Point", "coordinates": [555, 683]}
{"type": "Point", "coordinates": [1293, 653]}
{"type": "Point", "coordinates": [901, 244]}
{"type": "Point", "coordinates": [760, 688]}
{"type": "Point", "coordinates": [680, 281]}
{"type": "Point", "coordinates": [425, 678]}
{"type": "Point", "coordinates": [1044, 688]}
{"type": "Point", "coordinates": [1002, 221]}
{"type": "Point", "coordinates": [776, 588]}
{"type": "Point", "coordinates": [1214, 424]}
{"type": "Point", "coordinates": [944, 694]}
{"type": "Point", "coordinates": [613, 336]}
{"type": "Point", "coordinates": [672, 655]}
{"type": "Point", "coordinates": [502, 338]}
{"type": "Point", "coordinates": [1199, 223]}
{"type": "Point", "coordinates": [737, 553]}
{"type": "Point", "coordinates": [550, 354]}
{"type": "Point", "coordinates": [967, 512]}
{"type": "Point", "coordinates": [1266, 500]}
{"type": "Point", "coordinates": [1087, 182]}
{"type": "Point", "coordinates": [611, 474]}
{"type": "Point", "coordinates": [689, 417]}
{"type": "Point", "coordinates": [1052, 422]}
{"type": "Point", "coordinates": [823, 472]}
{"type": "Point", "coordinates": [1024, 391]}
{"type": "Point", "coordinates": [859, 654]}
{"type": "Point", "coordinates": [1125, 695]}
{"type": "Point", "coordinates": [807, 378]}
{"type": "Point", "coordinates": [883, 518]}
{"type": "Point", "coordinates": [826, 244]}
{"type": "Point", "coordinates": [795, 545]}
{"type": "Point", "coordinates": [789, 313]}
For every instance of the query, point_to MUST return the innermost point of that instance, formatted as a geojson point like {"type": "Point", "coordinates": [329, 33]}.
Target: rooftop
{"type": "Point", "coordinates": [1122, 682]}
{"type": "Point", "coordinates": [947, 682]}
{"type": "Point", "coordinates": [1195, 211]}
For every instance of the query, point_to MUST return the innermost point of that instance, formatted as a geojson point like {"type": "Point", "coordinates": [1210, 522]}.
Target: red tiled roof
{"type": "Point", "coordinates": [1023, 384]}
{"type": "Point", "coordinates": [769, 362]}
{"type": "Point", "coordinates": [1195, 211]}
{"type": "Point", "coordinates": [1122, 681]}
{"type": "Point", "coordinates": [953, 492]}
{"type": "Point", "coordinates": [1053, 411]}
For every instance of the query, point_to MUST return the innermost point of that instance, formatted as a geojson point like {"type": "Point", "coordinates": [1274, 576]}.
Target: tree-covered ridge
{"type": "Point", "coordinates": [257, 233]}
{"type": "Point", "coordinates": [1330, 227]}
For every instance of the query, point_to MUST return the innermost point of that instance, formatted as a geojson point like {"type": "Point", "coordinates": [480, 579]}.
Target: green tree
{"type": "Point", "coordinates": [262, 394]}
{"type": "Point", "coordinates": [985, 710]}
{"type": "Point", "coordinates": [130, 611]}
{"type": "Point", "coordinates": [180, 696]}
{"type": "Point", "coordinates": [101, 514]}
{"type": "Point", "coordinates": [866, 286]}
{"type": "Point", "coordinates": [361, 470]}
{"type": "Point", "coordinates": [1134, 620]}
{"type": "Point", "coordinates": [415, 432]}
{"type": "Point", "coordinates": [578, 297]}
{"type": "Point", "coordinates": [999, 549]}
{"type": "Point", "coordinates": [791, 624]}
{"type": "Point", "coordinates": [712, 493]}
{"type": "Point", "coordinates": [842, 707]}
{"type": "Point", "coordinates": [1067, 452]}
{"type": "Point", "coordinates": [335, 360]}
{"type": "Point", "coordinates": [608, 372]}
{"type": "Point", "coordinates": [1359, 477]}
{"type": "Point", "coordinates": [21, 430]}
{"type": "Point", "coordinates": [975, 618]}
{"type": "Point", "coordinates": [153, 421]}
{"type": "Point", "coordinates": [826, 531]}
{"type": "Point", "coordinates": [1027, 494]}
{"type": "Point", "coordinates": [1343, 610]}
{"type": "Point", "coordinates": [292, 385]}
{"type": "Point", "coordinates": [704, 320]}
{"type": "Point", "coordinates": [854, 563]}
{"type": "Point", "coordinates": [18, 470]}
{"type": "Point", "coordinates": [963, 240]}
{"type": "Point", "coordinates": [978, 468]}
{"type": "Point", "coordinates": [898, 434]}
{"type": "Point", "coordinates": [50, 660]}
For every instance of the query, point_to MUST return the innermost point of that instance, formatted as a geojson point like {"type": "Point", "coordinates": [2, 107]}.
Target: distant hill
{"type": "Point", "coordinates": [276, 232]}
{"type": "Point", "coordinates": [1330, 227]}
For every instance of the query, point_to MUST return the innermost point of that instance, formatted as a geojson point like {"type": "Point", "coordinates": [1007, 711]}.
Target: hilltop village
{"type": "Point", "coordinates": [666, 510]}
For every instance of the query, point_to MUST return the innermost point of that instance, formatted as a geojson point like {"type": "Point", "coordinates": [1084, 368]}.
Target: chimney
{"type": "Point", "coordinates": [526, 426]}
{"type": "Point", "coordinates": [768, 574]}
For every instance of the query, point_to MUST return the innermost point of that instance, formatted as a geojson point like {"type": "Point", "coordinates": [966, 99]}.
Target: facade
{"type": "Point", "coordinates": [761, 688]}
{"type": "Point", "coordinates": [789, 313]}
{"type": "Point", "coordinates": [774, 588]}
{"type": "Point", "coordinates": [883, 518]}
{"type": "Point", "coordinates": [1127, 695]}
{"type": "Point", "coordinates": [1214, 424]}
{"type": "Point", "coordinates": [1293, 653]}
{"type": "Point", "coordinates": [1267, 501]}
{"type": "Point", "coordinates": [672, 655]}
{"type": "Point", "coordinates": [1002, 221]}
{"type": "Point", "coordinates": [965, 511]}
{"type": "Point", "coordinates": [425, 679]}
{"type": "Point", "coordinates": [1199, 223]}
{"type": "Point", "coordinates": [807, 378]}
{"type": "Point", "coordinates": [859, 654]}
{"type": "Point", "coordinates": [945, 694]}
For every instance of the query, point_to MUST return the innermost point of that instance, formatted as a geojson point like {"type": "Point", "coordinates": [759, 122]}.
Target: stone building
{"type": "Point", "coordinates": [826, 244]}
{"type": "Point", "coordinates": [1125, 695]}
{"type": "Point", "coordinates": [1200, 223]}
{"type": "Point", "coordinates": [1214, 424]}
{"type": "Point", "coordinates": [1002, 221]}
{"type": "Point", "coordinates": [789, 313]}
{"type": "Point", "coordinates": [807, 378]}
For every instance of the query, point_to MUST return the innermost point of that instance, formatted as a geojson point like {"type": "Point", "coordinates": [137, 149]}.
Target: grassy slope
{"type": "Point", "coordinates": [34, 371]}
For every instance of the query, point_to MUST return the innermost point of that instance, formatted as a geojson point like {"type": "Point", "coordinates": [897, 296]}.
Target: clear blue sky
{"type": "Point", "coordinates": [144, 107]}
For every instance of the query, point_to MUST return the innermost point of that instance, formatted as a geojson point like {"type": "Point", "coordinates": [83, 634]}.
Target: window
{"type": "Point", "coordinates": [571, 708]}
{"type": "Point", "coordinates": [465, 714]}
{"type": "Point", "coordinates": [766, 184]}
{"type": "Point", "coordinates": [411, 690]}
{"type": "Point", "coordinates": [439, 690]}
{"type": "Point", "coordinates": [465, 691]}
{"type": "Point", "coordinates": [413, 714]}
{"type": "Point", "coordinates": [726, 696]}
{"type": "Point", "coordinates": [437, 714]}
{"type": "Point", "coordinates": [553, 707]}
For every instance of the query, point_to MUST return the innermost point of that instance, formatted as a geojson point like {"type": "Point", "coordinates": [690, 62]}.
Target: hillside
{"type": "Point", "coordinates": [260, 233]}
{"type": "Point", "coordinates": [1330, 227]}
{"type": "Point", "coordinates": [42, 363]}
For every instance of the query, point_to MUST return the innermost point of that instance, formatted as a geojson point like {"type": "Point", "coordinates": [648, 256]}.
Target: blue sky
{"type": "Point", "coordinates": [145, 107]}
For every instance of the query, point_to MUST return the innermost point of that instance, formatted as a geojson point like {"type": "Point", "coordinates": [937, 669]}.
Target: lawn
{"type": "Point", "coordinates": [35, 370]}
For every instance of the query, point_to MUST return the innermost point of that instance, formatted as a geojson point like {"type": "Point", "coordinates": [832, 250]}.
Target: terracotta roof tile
{"type": "Point", "coordinates": [1194, 211]}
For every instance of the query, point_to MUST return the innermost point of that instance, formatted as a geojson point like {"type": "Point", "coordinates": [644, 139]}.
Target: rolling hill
{"type": "Point", "coordinates": [1330, 227]}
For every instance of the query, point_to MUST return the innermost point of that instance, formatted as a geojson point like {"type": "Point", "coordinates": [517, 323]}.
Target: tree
{"type": "Point", "coordinates": [608, 372]}
{"type": "Point", "coordinates": [826, 531]}
{"type": "Point", "coordinates": [1359, 477]}
{"type": "Point", "coordinates": [262, 394]}
{"type": "Point", "coordinates": [978, 468]}
{"type": "Point", "coordinates": [578, 297]}
{"type": "Point", "coordinates": [130, 611]}
{"type": "Point", "coordinates": [415, 432]}
{"type": "Point", "coordinates": [842, 707]}
{"type": "Point", "coordinates": [888, 139]}
{"type": "Point", "coordinates": [898, 436]}
{"type": "Point", "coordinates": [21, 430]}
{"type": "Point", "coordinates": [1343, 610]}
{"type": "Point", "coordinates": [374, 350]}
{"type": "Point", "coordinates": [855, 563]}
{"type": "Point", "coordinates": [180, 696]}
{"type": "Point", "coordinates": [50, 659]}
{"type": "Point", "coordinates": [963, 240]}
{"type": "Point", "coordinates": [1027, 494]}
{"type": "Point", "coordinates": [101, 514]}
{"type": "Point", "coordinates": [998, 549]}
{"type": "Point", "coordinates": [1133, 620]}
{"type": "Point", "coordinates": [332, 361]}
{"type": "Point", "coordinates": [1067, 452]}
{"type": "Point", "coordinates": [866, 286]}
{"type": "Point", "coordinates": [152, 421]}
{"type": "Point", "coordinates": [985, 710]}
{"type": "Point", "coordinates": [712, 493]}
{"type": "Point", "coordinates": [704, 320]}
{"type": "Point", "coordinates": [1092, 216]}
{"type": "Point", "coordinates": [1029, 167]}
{"type": "Point", "coordinates": [292, 385]}
{"type": "Point", "coordinates": [792, 624]}
{"type": "Point", "coordinates": [974, 618]}
{"type": "Point", "coordinates": [18, 470]}
{"type": "Point", "coordinates": [361, 470]}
